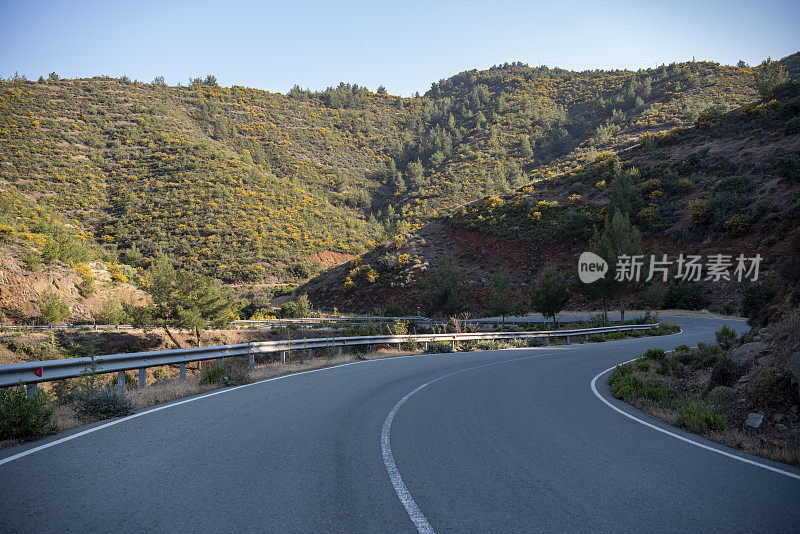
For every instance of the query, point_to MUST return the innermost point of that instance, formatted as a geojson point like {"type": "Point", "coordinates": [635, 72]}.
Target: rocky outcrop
{"type": "Point", "coordinates": [793, 366]}
{"type": "Point", "coordinates": [747, 353]}
{"type": "Point", "coordinates": [754, 421]}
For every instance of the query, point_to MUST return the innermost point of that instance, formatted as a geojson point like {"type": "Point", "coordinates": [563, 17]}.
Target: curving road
{"type": "Point", "coordinates": [500, 441]}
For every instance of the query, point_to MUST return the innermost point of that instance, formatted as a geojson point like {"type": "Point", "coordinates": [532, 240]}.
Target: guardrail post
{"type": "Point", "coordinates": [587, 338]}
{"type": "Point", "coordinates": [183, 371]}
{"type": "Point", "coordinates": [569, 340]}
{"type": "Point", "coordinates": [220, 362]}
{"type": "Point", "coordinates": [398, 347]}
{"type": "Point", "coordinates": [283, 356]}
{"type": "Point", "coordinates": [340, 351]}
{"type": "Point", "coordinates": [31, 389]}
{"type": "Point", "coordinates": [310, 354]}
{"type": "Point", "coordinates": [142, 377]}
{"type": "Point", "coordinates": [121, 380]}
{"type": "Point", "coordinates": [426, 345]}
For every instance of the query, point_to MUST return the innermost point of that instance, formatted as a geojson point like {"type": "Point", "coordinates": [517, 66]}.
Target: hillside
{"type": "Point", "coordinates": [729, 184]}
{"type": "Point", "coordinates": [242, 183]}
{"type": "Point", "coordinates": [254, 187]}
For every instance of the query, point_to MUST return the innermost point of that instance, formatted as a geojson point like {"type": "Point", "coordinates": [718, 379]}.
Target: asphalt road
{"type": "Point", "coordinates": [498, 441]}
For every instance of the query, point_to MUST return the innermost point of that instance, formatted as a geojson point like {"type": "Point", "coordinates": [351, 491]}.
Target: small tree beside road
{"type": "Point", "coordinates": [549, 294]}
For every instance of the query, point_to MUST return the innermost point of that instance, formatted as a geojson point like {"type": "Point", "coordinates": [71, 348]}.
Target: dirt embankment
{"type": "Point", "coordinates": [21, 289]}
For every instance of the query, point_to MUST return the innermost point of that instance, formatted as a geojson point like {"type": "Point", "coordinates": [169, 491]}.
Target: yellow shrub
{"type": "Point", "coordinates": [697, 210]}
{"type": "Point", "coordinates": [349, 284]}
{"type": "Point", "coordinates": [84, 272]}
{"type": "Point", "coordinates": [6, 231]}
{"type": "Point", "coordinates": [117, 277]}
{"type": "Point", "coordinates": [493, 202]}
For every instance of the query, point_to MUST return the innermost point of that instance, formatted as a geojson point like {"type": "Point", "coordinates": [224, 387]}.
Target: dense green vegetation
{"type": "Point", "coordinates": [243, 184]}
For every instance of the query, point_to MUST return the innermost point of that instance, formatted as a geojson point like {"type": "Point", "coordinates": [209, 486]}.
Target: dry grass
{"type": "Point", "coordinates": [66, 418]}
{"type": "Point", "coordinates": [170, 389]}
{"type": "Point", "coordinates": [758, 444]}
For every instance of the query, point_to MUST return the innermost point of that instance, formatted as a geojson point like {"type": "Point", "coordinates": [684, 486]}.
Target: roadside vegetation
{"type": "Point", "coordinates": [734, 391]}
{"type": "Point", "coordinates": [64, 404]}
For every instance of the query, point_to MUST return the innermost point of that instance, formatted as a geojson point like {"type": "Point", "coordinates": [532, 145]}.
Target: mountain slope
{"type": "Point", "coordinates": [247, 185]}
{"type": "Point", "coordinates": [727, 185]}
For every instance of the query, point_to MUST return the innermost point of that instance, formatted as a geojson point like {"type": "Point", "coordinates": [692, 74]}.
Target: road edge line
{"type": "Point", "coordinates": [597, 394]}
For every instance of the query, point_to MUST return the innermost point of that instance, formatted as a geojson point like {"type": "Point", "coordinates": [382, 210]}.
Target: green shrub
{"type": "Point", "coordinates": [616, 335]}
{"type": "Point", "coordinates": [627, 387]}
{"type": "Point", "coordinates": [624, 385]}
{"type": "Point", "coordinates": [621, 370]}
{"type": "Point", "coordinates": [130, 382]}
{"type": "Point", "coordinates": [234, 372]}
{"type": "Point", "coordinates": [788, 166]}
{"type": "Point", "coordinates": [643, 364]}
{"type": "Point", "coordinates": [686, 357]}
{"type": "Point", "coordinates": [663, 329]}
{"type": "Point", "coordinates": [656, 390]}
{"type": "Point", "coordinates": [720, 396]}
{"type": "Point", "coordinates": [708, 354]}
{"type": "Point", "coordinates": [655, 354]}
{"type": "Point", "coordinates": [409, 346]}
{"type": "Point", "coordinates": [297, 308]}
{"type": "Point", "coordinates": [22, 417]}
{"type": "Point", "coordinates": [535, 342]}
{"type": "Point", "coordinates": [101, 403]}
{"type": "Point", "coordinates": [215, 375]}
{"type": "Point", "coordinates": [490, 344]}
{"type": "Point", "coordinates": [723, 373]}
{"type": "Point", "coordinates": [726, 337]}
{"type": "Point", "coordinates": [32, 261]}
{"type": "Point", "coordinates": [160, 374]}
{"type": "Point", "coordinates": [393, 309]}
{"type": "Point", "coordinates": [756, 296]}
{"type": "Point", "coordinates": [698, 418]}
{"type": "Point", "coordinates": [51, 307]}
{"type": "Point", "coordinates": [769, 387]}
{"type": "Point", "coordinates": [684, 295]}
{"type": "Point", "coordinates": [671, 368]}
{"type": "Point", "coordinates": [438, 347]}
{"type": "Point", "coordinates": [792, 126]}
{"type": "Point", "coordinates": [596, 338]}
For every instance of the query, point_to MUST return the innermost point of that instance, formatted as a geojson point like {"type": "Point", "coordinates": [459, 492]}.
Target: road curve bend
{"type": "Point", "coordinates": [512, 440]}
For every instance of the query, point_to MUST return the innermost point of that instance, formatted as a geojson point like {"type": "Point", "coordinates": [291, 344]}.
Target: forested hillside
{"type": "Point", "coordinates": [730, 184]}
{"type": "Point", "coordinates": [242, 183]}
{"type": "Point", "coordinates": [250, 186]}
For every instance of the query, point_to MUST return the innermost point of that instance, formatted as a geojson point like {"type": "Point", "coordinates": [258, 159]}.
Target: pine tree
{"type": "Point", "coordinates": [619, 238]}
{"type": "Point", "coordinates": [504, 300]}
{"type": "Point", "coordinates": [525, 146]}
{"type": "Point", "coordinates": [549, 295]}
{"type": "Point", "coordinates": [180, 299]}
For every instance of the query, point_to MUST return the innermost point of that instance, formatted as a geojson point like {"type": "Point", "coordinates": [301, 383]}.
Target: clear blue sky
{"type": "Point", "coordinates": [403, 45]}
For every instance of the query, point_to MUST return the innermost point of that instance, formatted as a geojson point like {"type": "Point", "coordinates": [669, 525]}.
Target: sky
{"type": "Point", "coordinates": [404, 46]}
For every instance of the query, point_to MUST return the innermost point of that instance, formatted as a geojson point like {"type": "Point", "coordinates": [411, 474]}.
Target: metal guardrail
{"type": "Point", "coordinates": [338, 319]}
{"type": "Point", "coordinates": [31, 373]}
{"type": "Point", "coordinates": [238, 322]}
{"type": "Point", "coordinates": [271, 323]}
{"type": "Point", "coordinates": [67, 327]}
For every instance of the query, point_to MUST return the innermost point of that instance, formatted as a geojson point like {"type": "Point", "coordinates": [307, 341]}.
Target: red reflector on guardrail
{"type": "Point", "coordinates": [38, 371]}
